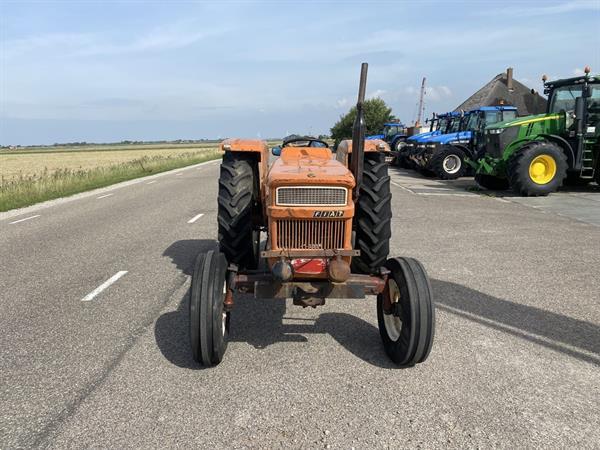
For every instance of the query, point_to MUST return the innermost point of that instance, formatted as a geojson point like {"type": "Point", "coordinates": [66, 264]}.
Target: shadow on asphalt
{"type": "Point", "coordinates": [261, 323]}
{"type": "Point", "coordinates": [467, 183]}
{"type": "Point", "coordinates": [572, 337]}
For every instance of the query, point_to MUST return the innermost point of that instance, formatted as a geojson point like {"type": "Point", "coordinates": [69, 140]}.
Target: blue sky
{"type": "Point", "coordinates": [108, 71]}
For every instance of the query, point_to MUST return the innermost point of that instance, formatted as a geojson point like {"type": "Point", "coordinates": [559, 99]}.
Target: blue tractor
{"type": "Point", "coordinates": [394, 133]}
{"type": "Point", "coordinates": [439, 124]}
{"type": "Point", "coordinates": [444, 155]}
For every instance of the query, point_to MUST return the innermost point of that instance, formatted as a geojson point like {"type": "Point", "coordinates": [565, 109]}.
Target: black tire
{"type": "Point", "coordinates": [209, 323]}
{"type": "Point", "coordinates": [407, 330]}
{"type": "Point", "coordinates": [448, 163]}
{"type": "Point", "coordinates": [238, 199]}
{"type": "Point", "coordinates": [373, 216]}
{"type": "Point", "coordinates": [518, 169]}
{"type": "Point", "coordinates": [491, 182]}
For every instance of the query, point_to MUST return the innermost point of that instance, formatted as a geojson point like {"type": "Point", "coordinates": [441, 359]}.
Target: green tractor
{"type": "Point", "coordinates": [534, 155]}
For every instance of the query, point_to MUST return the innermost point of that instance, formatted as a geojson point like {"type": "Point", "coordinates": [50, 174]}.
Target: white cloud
{"type": "Point", "coordinates": [342, 103]}
{"type": "Point", "coordinates": [88, 44]}
{"type": "Point", "coordinates": [577, 72]}
{"type": "Point", "coordinates": [376, 94]}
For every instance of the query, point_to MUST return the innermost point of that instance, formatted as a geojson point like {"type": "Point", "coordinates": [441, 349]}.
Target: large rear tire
{"type": "Point", "coordinates": [407, 320]}
{"type": "Point", "coordinates": [238, 199]}
{"type": "Point", "coordinates": [209, 322]}
{"type": "Point", "coordinates": [373, 215]}
{"type": "Point", "coordinates": [537, 169]}
{"type": "Point", "coordinates": [491, 182]}
{"type": "Point", "coordinates": [449, 163]}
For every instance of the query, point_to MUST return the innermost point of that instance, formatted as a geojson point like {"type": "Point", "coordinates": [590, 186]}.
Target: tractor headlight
{"type": "Point", "coordinates": [496, 130]}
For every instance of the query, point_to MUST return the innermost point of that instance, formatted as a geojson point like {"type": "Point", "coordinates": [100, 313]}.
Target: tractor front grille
{"type": "Point", "coordinates": [311, 196]}
{"type": "Point", "coordinates": [310, 234]}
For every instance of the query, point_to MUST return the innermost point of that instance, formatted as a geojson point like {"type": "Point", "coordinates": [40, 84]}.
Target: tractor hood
{"type": "Point", "coordinates": [308, 166]}
{"type": "Point", "coordinates": [422, 136]}
{"type": "Point", "coordinates": [447, 138]}
{"type": "Point", "coordinates": [526, 120]}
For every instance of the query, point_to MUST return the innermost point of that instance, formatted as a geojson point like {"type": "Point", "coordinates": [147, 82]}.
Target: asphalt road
{"type": "Point", "coordinates": [515, 363]}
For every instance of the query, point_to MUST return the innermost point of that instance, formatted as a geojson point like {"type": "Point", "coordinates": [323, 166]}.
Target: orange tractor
{"type": "Point", "coordinates": [328, 224]}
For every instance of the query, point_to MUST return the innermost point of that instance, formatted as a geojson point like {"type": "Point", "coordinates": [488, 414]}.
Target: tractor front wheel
{"type": "Point", "coordinates": [537, 169]}
{"type": "Point", "coordinates": [406, 313]}
{"type": "Point", "coordinates": [449, 163]}
{"type": "Point", "coordinates": [491, 182]}
{"type": "Point", "coordinates": [209, 322]}
{"type": "Point", "coordinates": [373, 215]}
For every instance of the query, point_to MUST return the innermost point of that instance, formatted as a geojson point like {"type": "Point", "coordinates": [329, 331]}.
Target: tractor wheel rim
{"type": "Point", "coordinates": [542, 169]}
{"type": "Point", "coordinates": [451, 164]}
{"type": "Point", "coordinates": [393, 323]}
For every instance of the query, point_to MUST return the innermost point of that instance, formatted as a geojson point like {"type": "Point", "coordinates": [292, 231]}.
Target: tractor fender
{"type": "Point", "coordinates": [255, 149]}
{"type": "Point", "coordinates": [468, 152]}
{"type": "Point", "coordinates": [567, 149]}
{"type": "Point", "coordinates": [345, 148]}
{"type": "Point", "coordinates": [562, 143]}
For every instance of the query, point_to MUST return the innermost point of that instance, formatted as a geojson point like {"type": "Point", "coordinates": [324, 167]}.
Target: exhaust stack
{"type": "Point", "coordinates": [358, 134]}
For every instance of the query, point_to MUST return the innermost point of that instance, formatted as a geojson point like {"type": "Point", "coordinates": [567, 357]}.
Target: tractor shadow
{"type": "Point", "coordinates": [573, 337]}
{"type": "Point", "coordinates": [261, 323]}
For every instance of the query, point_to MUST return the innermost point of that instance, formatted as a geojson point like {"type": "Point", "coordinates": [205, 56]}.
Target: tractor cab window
{"type": "Point", "coordinates": [563, 98]}
{"type": "Point", "coordinates": [509, 115]}
{"type": "Point", "coordinates": [391, 130]}
{"type": "Point", "coordinates": [593, 106]}
{"type": "Point", "coordinates": [493, 117]}
{"type": "Point", "coordinates": [442, 125]}
{"type": "Point", "coordinates": [455, 125]}
{"type": "Point", "coordinates": [473, 123]}
{"type": "Point", "coordinates": [464, 120]}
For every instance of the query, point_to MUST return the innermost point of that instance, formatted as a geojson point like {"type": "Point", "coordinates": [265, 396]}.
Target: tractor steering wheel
{"type": "Point", "coordinates": [312, 142]}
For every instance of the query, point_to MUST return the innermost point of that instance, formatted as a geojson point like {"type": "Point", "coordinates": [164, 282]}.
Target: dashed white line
{"type": "Point", "coordinates": [104, 196]}
{"type": "Point", "coordinates": [150, 182]}
{"type": "Point", "coordinates": [103, 286]}
{"type": "Point", "coordinates": [26, 218]}
{"type": "Point", "coordinates": [179, 173]}
{"type": "Point", "coordinates": [193, 219]}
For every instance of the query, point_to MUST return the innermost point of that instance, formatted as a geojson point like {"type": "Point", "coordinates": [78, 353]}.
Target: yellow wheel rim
{"type": "Point", "coordinates": [542, 169]}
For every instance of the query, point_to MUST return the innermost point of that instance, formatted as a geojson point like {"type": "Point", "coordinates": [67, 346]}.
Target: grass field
{"type": "Point", "coordinates": [37, 160]}
{"type": "Point", "coordinates": [38, 174]}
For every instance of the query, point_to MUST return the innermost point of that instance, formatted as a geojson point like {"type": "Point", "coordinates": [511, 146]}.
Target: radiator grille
{"type": "Point", "coordinates": [311, 196]}
{"type": "Point", "coordinates": [310, 234]}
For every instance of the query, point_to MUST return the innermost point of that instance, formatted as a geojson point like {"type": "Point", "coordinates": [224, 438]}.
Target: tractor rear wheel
{"type": "Point", "coordinates": [491, 182]}
{"type": "Point", "coordinates": [209, 322]}
{"type": "Point", "coordinates": [448, 163]}
{"type": "Point", "coordinates": [406, 313]}
{"type": "Point", "coordinates": [537, 169]}
{"type": "Point", "coordinates": [373, 216]}
{"type": "Point", "coordinates": [238, 199]}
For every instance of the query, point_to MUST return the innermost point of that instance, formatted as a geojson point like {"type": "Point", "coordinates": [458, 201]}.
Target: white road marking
{"type": "Point", "coordinates": [401, 187]}
{"type": "Point", "coordinates": [103, 286]}
{"type": "Point", "coordinates": [104, 196]}
{"type": "Point", "coordinates": [193, 219]}
{"type": "Point", "coordinates": [150, 182]}
{"type": "Point", "coordinates": [179, 173]}
{"type": "Point", "coordinates": [23, 220]}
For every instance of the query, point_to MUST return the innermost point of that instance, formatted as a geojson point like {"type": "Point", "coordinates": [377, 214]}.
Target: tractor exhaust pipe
{"type": "Point", "coordinates": [358, 134]}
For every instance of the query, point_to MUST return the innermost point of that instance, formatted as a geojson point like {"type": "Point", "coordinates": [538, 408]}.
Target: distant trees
{"type": "Point", "coordinates": [377, 113]}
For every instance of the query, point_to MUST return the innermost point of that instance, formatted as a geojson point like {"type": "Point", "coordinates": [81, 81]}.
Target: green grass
{"type": "Point", "coordinates": [28, 190]}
